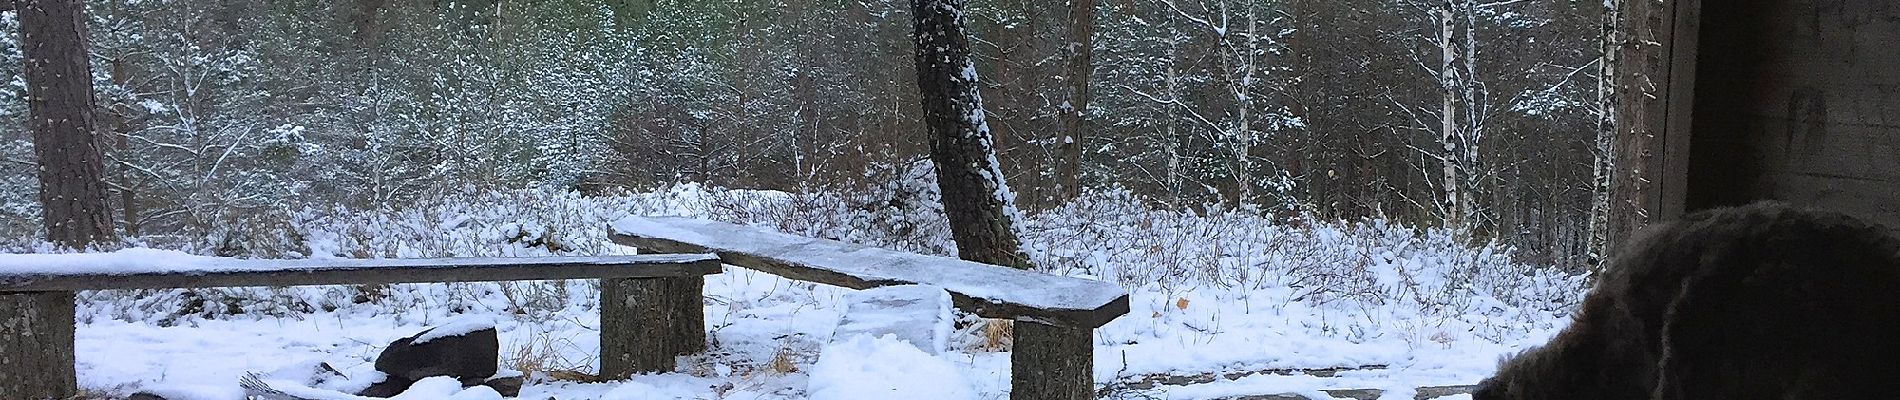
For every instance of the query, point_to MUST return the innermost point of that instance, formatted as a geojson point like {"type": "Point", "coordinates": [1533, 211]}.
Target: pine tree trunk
{"type": "Point", "coordinates": [975, 198]}
{"type": "Point", "coordinates": [36, 346]}
{"type": "Point", "coordinates": [1643, 60]}
{"type": "Point", "coordinates": [1081, 49]}
{"type": "Point", "coordinates": [59, 108]}
{"type": "Point", "coordinates": [645, 323]}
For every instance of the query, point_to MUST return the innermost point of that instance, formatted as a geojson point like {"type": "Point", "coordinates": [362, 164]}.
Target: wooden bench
{"type": "Point", "coordinates": [1055, 316]}
{"type": "Point", "coordinates": [639, 300]}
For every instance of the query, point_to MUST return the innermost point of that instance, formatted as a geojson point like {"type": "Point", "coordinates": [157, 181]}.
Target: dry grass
{"type": "Point", "coordinates": [784, 361]}
{"type": "Point", "coordinates": [997, 334]}
{"type": "Point", "coordinates": [540, 355]}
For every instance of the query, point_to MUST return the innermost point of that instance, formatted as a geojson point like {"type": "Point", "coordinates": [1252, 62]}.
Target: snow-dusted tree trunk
{"type": "Point", "coordinates": [1081, 51]}
{"type": "Point", "coordinates": [1458, 123]}
{"type": "Point", "coordinates": [977, 201]}
{"type": "Point", "coordinates": [1605, 143]}
{"type": "Point", "coordinates": [1244, 40]}
{"type": "Point", "coordinates": [1642, 58]}
{"type": "Point", "coordinates": [1049, 362]}
{"type": "Point", "coordinates": [59, 108]}
{"type": "Point", "coordinates": [1448, 128]}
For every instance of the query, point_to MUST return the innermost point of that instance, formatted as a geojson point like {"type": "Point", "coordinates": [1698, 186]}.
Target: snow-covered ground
{"type": "Point", "coordinates": [1211, 293]}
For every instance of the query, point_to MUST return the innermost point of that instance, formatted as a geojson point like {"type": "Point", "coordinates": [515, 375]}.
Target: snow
{"type": "Point", "coordinates": [884, 367]}
{"type": "Point", "coordinates": [871, 264]}
{"type": "Point", "coordinates": [461, 325]}
{"type": "Point", "coordinates": [917, 314]}
{"type": "Point", "coordinates": [754, 315]}
{"type": "Point", "coordinates": [137, 260]}
{"type": "Point", "coordinates": [1209, 292]}
{"type": "Point", "coordinates": [122, 261]}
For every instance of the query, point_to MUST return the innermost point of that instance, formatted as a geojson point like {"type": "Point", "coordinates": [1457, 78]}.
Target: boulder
{"type": "Point", "coordinates": [466, 349]}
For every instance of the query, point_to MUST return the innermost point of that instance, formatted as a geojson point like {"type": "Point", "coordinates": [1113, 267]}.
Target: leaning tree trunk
{"type": "Point", "coordinates": [975, 198]}
{"type": "Point", "coordinates": [1050, 362]}
{"type": "Point", "coordinates": [59, 110]}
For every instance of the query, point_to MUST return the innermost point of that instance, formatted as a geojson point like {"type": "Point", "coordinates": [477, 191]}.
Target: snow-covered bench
{"type": "Point", "coordinates": [36, 299]}
{"type": "Point", "coordinates": [1055, 316]}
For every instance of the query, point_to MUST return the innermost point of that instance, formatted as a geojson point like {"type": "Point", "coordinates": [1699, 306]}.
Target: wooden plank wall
{"type": "Point", "coordinates": [1798, 100]}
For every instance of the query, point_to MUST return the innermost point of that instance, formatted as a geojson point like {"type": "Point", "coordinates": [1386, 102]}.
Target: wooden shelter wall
{"type": "Point", "coordinates": [1798, 100]}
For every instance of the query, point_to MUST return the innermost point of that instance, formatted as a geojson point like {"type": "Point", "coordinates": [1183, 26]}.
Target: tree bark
{"type": "Point", "coordinates": [1642, 74]}
{"type": "Point", "coordinates": [1604, 166]}
{"type": "Point", "coordinates": [978, 203]}
{"type": "Point", "coordinates": [59, 108]}
{"type": "Point", "coordinates": [1081, 49]}
{"type": "Point", "coordinates": [645, 323]}
{"type": "Point", "coordinates": [36, 346]}
{"type": "Point", "coordinates": [1052, 363]}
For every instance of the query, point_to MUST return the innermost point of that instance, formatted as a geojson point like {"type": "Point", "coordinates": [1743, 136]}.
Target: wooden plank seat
{"type": "Point", "coordinates": [643, 298]}
{"type": "Point", "coordinates": [1056, 315]}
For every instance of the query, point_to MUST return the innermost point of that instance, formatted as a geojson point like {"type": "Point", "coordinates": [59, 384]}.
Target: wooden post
{"type": "Point", "coordinates": [1052, 363]}
{"type": "Point", "coordinates": [36, 346]}
{"type": "Point", "coordinates": [646, 322]}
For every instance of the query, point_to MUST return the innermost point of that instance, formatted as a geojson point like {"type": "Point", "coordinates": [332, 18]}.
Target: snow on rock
{"type": "Point", "coordinates": [918, 314]}
{"type": "Point", "coordinates": [865, 367]}
{"type": "Point", "coordinates": [457, 326]}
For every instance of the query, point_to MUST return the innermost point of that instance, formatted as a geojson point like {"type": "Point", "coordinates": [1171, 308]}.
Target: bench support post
{"type": "Point", "coordinates": [646, 322]}
{"type": "Point", "coordinates": [36, 346]}
{"type": "Point", "coordinates": [1052, 363]}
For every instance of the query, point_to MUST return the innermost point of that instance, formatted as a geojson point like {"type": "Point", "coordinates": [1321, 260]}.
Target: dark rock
{"type": "Point", "coordinates": [471, 358]}
{"type": "Point", "coordinates": [145, 396]}
{"type": "Point", "coordinates": [508, 386]}
{"type": "Point", "coordinates": [389, 387]}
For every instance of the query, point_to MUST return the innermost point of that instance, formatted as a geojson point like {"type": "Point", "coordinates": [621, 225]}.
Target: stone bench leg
{"type": "Point", "coordinates": [1052, 363]}
{"type": "Point", "coordinates": [646, 322]}
{"type": "Point", "coordinates": [36, 346]}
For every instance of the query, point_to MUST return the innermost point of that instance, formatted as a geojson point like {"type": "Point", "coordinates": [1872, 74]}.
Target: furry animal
{"type": "Point", "coordinates": [1764, 301]}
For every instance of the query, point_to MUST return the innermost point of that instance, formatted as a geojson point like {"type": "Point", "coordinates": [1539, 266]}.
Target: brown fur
{"type": "Point", "coordinates": [1763, 301]}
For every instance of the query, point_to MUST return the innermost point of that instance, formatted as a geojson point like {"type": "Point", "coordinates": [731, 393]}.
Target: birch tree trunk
{"type": "Point", "coordinates": [1605, 144]}
{"type": "Point", "coordinates": [1448, 119]}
